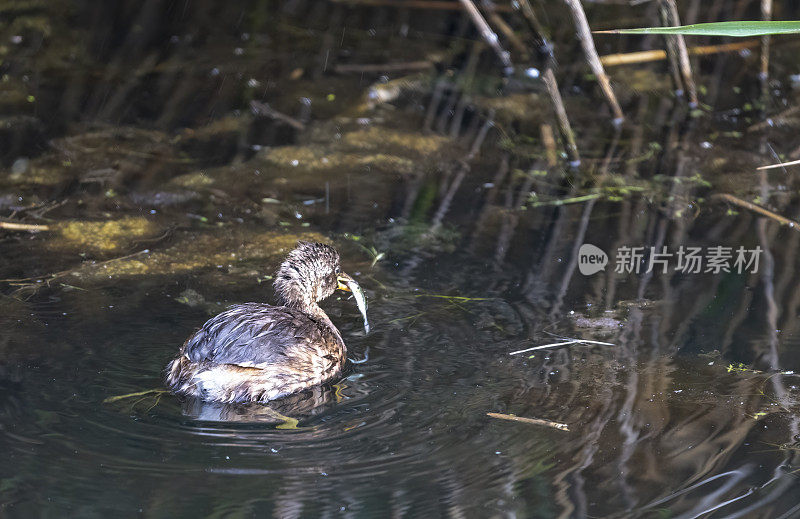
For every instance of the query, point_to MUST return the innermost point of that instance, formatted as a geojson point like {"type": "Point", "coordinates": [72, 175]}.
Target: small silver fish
{"type": "Point", "coordinates": [349, 284]}
{"type": "Point", "coordinates": [361, 301]}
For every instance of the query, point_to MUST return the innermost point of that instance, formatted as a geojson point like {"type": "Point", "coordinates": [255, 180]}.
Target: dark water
{"type": "Point", "coordinates": [127, 130]}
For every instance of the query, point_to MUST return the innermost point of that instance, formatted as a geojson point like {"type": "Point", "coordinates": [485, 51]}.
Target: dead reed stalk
{"type": "Point", "coordinates": [676, 43]}
{"type": "Point", "coordinates": [488, 35]}
{"type": "Point", "coordinates": [587, 42]}
{"type": "Point", "coordinates": [763, 76]}
{"type": "Point", "coordinates": [561, 116]}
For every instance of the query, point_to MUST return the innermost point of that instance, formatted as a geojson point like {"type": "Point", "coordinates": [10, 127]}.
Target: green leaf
{"type": "Point", "coordinates": [736, 29]}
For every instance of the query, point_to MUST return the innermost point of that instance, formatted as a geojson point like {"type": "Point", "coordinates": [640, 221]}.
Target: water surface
{"type": "Point", "coordinates": [167, 199]}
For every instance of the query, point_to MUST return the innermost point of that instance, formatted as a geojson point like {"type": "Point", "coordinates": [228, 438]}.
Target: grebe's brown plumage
{"type": "Point", "coordinates": [258, 352]}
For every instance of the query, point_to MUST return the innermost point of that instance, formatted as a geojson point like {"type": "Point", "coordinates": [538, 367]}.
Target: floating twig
{"type": "Point", "coordinates": [631, 58]}
{"type": "Point", "coordinates": [780, 165]}
{"type": "Point", "coordinates": [532, 421]}
{"type": "Point", "coordinates": [543, 347]}
{"type": "Point", "coordinates": [757, 209]}
{"type": "Point", "coordinates": [13, 226]}
{"type": "Point", "coordinates": [565, 343]}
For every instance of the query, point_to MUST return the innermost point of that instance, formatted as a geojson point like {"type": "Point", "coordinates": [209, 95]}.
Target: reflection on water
{"type": "Point", "coordinates": [167, 199]}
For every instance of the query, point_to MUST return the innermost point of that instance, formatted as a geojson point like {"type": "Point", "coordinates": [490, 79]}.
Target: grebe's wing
{"type": "Point", "coordinates": [256, 335]}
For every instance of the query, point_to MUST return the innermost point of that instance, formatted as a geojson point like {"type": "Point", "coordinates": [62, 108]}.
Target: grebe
{"type": "Point", "coordinates": [256, 352]}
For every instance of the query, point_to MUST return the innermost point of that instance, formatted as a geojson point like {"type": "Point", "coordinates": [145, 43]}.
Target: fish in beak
{"type": "Point", "coordinates": [349, 284]}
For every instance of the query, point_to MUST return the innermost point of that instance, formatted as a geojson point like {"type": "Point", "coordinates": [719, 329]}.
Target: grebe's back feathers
{"type": "Point", "coordinates": [256, 335]}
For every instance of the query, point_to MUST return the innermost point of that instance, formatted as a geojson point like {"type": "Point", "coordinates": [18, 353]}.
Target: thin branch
{"type": "Point", "coordinates": [263, 109]}
{"type": "Point", "coordinates": [757, 209]}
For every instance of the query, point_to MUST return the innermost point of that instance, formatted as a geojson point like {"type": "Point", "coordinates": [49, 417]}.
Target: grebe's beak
{"type": "Point", "coordinates": [344, 282]}
{"type": "Point", "coordinates": [349, 284]}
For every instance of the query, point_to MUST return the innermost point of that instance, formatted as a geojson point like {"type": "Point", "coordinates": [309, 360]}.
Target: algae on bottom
{"type": "Point", "coordinates": [104, 236]}
{"type": "Point", "coordinates": [195, 251]}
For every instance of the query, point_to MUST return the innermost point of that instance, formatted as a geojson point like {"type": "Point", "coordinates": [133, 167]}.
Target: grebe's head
{"type": "Point", "coordinates": [310, 273]}
{"type": "Point", "coordinates": [307, 275]}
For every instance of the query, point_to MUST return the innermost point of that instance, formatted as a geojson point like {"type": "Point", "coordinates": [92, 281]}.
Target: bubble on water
{"type": "Point", "coordinates": [532, 72]}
